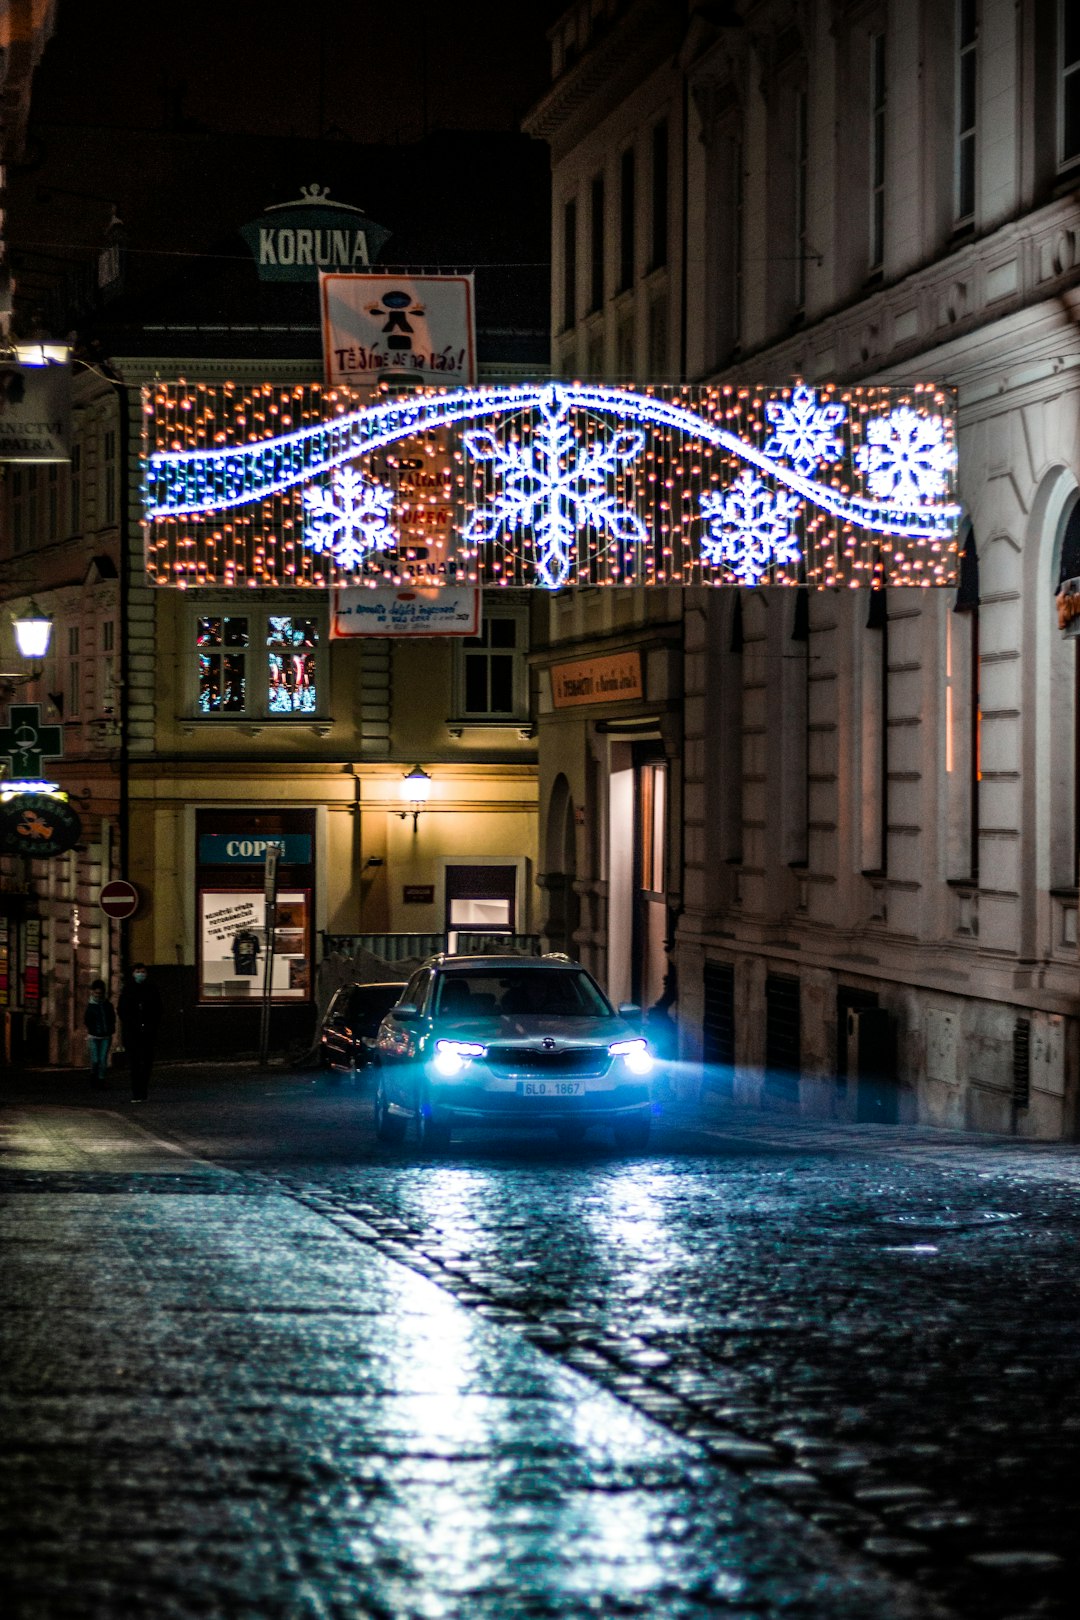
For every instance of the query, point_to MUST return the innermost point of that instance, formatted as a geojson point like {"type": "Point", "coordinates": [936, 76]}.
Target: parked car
{"type": "Point", "coordinates": [351, 1022]}
{"type": "Point", "coordinates": [510, 1040]}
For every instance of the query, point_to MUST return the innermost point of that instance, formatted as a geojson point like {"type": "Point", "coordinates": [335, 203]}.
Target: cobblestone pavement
{"type": "Point", "coordinates": [258, 1365]}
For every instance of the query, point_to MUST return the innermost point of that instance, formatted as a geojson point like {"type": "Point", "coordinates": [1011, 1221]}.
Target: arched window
{"type": "Point", "coordinates": [963, 722]}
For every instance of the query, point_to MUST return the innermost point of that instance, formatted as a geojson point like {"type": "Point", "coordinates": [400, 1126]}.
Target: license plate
{"type": "Point", "coordinates": [553, 1088]}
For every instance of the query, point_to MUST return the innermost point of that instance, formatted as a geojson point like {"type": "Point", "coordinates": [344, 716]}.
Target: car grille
{"type": "Point", "coordinates": [507, 1062]}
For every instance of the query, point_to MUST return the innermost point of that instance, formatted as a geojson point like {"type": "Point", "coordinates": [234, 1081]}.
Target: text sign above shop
{"type": "Point", "coordinates": [423, 325]}
{"type": "Point", "coordinates": [234, 849]}
{"type": "Point", "coordinates": [614, 678]}
{"type": "Point", "coordinates": [453, 610]}
{"type": "Point", "coordinates": [554, 484]}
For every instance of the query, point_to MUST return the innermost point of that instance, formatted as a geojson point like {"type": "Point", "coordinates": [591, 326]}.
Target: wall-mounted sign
{"type": "Point", "coordinates": [1068, 608]}
{"type": "Point", "coordinates": [423, 325]}
{"type": "Point", "coordinates": [35, 404]}
{"type": "Point", "coordinates": [38, 824]}
{"type": "Point", "coordinates": [555, 484]}
{"type": "Point", "coordinates": [26, 742]}
{"type": "Point", "coordinates": [237, 849]}
{"type": "Point", "coordinates": [119, 899]}
{"type": "Point", "coordinates": [418, 894]}
{"type": "Point", "coordinates": [293, 241]}
{"type": "Point", "coordinates": [452, 611]}
{"type": "Point", "coordinates": [615, 678]}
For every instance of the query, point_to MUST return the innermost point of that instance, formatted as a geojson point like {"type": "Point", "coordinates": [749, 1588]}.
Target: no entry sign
{"type": "Point", "coordinates": [119, 899]}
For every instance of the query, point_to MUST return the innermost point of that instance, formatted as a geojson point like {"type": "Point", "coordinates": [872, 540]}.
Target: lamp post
{"type": "Point", "coordinates": [416, 790]}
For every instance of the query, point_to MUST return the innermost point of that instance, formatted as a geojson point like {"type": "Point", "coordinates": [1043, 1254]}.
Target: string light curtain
{"type": "Point", "coordinates": [550, 485]}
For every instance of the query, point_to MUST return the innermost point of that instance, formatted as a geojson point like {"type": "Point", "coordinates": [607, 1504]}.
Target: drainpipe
{"type": "Point", "coordinates": [124, 416]}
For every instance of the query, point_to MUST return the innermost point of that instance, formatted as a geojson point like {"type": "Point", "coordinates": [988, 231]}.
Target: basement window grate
{"type": "Point", "coordinates": [1022, 1063]}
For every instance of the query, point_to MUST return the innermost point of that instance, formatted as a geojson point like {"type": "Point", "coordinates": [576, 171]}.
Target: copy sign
{"type": "Point", "coordinates": [422, 325]}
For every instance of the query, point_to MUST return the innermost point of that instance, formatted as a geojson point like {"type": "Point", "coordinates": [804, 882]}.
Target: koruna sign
{"type": "Point", "coordinates": [35, 404]}
{"type": "Point", "coordinates": [294, 241]}
{"type": "Point", "coordinates": [422, 325]}
{"type": "Point", "coordinates": [452, 611]}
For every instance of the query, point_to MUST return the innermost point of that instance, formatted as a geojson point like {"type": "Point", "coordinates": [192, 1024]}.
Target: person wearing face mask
{"type": "Point", "coordinates": [140, 1015]}
{"type": "Point", "coordinates": [100, 1021]}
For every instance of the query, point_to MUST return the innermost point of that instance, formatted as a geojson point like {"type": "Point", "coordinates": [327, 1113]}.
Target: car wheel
{"type": "Point", "coordinates": [388, 1127]}
{"type": "Point", "coordinates": [633, 1134]}
{"type": "Point", "coordinates": [570, 1132]}
{"type": "Point", "coordinates": [432, 1135]}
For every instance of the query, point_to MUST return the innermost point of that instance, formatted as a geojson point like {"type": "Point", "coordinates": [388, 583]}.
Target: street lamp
{"type": "Point", "coordinates": [416, 790]}
{"type": "Point", "coordinates": [33, 630]}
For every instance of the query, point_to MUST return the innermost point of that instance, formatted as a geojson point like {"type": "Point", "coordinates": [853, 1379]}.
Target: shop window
{"type": "Point", "coordinates": [234, 941]}
{"type": "Point", "coordinates": [491, 681]}
{"type": "Point", "coordinates": [265, 665]}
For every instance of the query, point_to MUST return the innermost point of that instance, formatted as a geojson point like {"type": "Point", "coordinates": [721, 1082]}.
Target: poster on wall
{"type": "Point", "coordinates": [233, 942]}
{"type": "Point", "coordinates": [423, 325]}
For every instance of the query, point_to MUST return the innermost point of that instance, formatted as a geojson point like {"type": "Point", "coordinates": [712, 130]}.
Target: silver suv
{"type": "Point", "coordinates": [510, 1040]}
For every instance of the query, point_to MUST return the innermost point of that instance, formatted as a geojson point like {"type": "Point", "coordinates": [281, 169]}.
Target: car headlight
{"type": "Point", "coordinates": [634, 1053]}
{"type": "Point", "coordinates": [453, 1056]}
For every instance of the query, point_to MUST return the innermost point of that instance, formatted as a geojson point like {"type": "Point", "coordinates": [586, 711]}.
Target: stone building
{"type": "Point", "coordinates": [849, 821]}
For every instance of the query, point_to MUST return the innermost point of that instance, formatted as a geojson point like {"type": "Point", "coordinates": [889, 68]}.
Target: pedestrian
{"type": "Point", "coordinates": [100, 1021]}
{"type": "Point", "coordinates": [140, 1015]}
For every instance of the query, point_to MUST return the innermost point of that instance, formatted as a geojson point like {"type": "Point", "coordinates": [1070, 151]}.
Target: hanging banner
{"type": "Point", "coordinates": [550, 484]}
{"type": "Point", "coordinates": [35, 404]}
{"type": "Point", "coordinates": [373, 325]}
{"type": "Point", "coordinates": [38, 824]}
{"type": "Point", "coordinates": [452, 611]}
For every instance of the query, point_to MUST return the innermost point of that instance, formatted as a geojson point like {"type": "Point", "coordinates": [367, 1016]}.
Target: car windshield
{"type": "Point", "coordinates": [519, 992]}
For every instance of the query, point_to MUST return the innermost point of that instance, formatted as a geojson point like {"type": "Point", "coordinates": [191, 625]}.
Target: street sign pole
{"type": "Point", "coordinates": [270, 899]}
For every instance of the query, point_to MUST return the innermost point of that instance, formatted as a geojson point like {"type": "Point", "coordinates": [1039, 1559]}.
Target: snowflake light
{"type": "Point", "coordinates": [906, 458]}
{"type": "Point", "coordinates": [805, 432]}
{"type": "Point", "coordinates": [554, 488]}
{"type": "Point", "coordinates": [350, 518]}
{"type": "Point", "coordinates": [747, 528]}
{"type": "Point", "coordinates": [550, 484]}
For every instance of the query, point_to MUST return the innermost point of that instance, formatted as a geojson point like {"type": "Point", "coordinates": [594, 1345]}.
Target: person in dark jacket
{"type": "Point", "coordinates": [100, 1021]}
{"type": "Point", "coordinates": [140, 1015]}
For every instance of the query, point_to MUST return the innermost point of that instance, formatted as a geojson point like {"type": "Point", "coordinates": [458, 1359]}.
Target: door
{"type": "Point", "coordinates": [648, 955]}
{"type": "Point", "coordinates": [481, 904]}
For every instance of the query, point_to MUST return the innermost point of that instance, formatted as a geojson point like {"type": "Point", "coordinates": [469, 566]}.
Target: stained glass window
{"type": "Point", "coordinates": [291, 645]}
{"type": "Point", "coordinates": [222, 653]}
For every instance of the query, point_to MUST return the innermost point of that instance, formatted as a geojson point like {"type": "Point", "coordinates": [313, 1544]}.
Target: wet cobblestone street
{"type": "Point", "coordinates": [258, 1365]}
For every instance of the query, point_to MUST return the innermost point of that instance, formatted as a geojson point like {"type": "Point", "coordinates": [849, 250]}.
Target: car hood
{"type": "Point", "coordinates": [530, 1031]}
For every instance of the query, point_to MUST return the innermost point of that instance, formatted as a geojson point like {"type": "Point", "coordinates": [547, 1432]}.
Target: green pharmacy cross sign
{"type": "Point", "coordinates": [26, 742]}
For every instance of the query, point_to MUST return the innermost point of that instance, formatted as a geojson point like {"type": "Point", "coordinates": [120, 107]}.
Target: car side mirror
{"type": "Point", "coordinates": [407, 1013]}
{"type": "Point", "coordinates": [629, 1009]}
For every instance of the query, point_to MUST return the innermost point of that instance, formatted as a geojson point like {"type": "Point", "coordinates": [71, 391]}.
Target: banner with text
{"type": "Point", "coordinates": [451, 611]}
{"type": "Point", "coordinates": [422, 325]}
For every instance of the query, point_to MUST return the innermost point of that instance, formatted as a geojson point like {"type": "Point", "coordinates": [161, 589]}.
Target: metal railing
{"type": "Point", "coordinates": [415, 947]}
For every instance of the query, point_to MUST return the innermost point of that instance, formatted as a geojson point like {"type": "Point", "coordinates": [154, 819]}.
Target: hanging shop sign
{"type": "Point", "coordinates": [1068, 608]}
{"type": "Point", "coordinates": [26, 742]}
{"type": "Point", "coordinates": [294, 241]}
{"type": "Point", "coordinates": [35, 404]}
{"type": "Point", "coordinates": [558, 484]}
{"type": "Point", "coordinates": [37, 824]}
{"type": "Point", "coordinates": [615, 678]}
{"type": "Point", "coordinates": [452, 611]}
{"type": "Point", "coordinates": [422, 325]}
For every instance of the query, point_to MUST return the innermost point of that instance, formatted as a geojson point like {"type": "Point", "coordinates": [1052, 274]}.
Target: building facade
{"type": "Point", "coordinates": [864, 866]}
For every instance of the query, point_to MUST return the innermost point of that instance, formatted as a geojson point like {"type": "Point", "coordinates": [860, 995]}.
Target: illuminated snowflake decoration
{"type": "Point", "coordinates": [804, 430]}
{"type": "Point", "coordinates": [350, 518]}
{"type": "Point", "coordinates": [747, 528]}
{"type": "Point", "coordinates": [555, 488]}
{"type": "Point", "coordinates": [906, 458]}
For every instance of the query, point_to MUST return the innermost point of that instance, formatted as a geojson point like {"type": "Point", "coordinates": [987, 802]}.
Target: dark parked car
{"type": "Point", "coordinates": [510, 1040]}
{"type": "Point", "coordinates": [351, 1021]}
